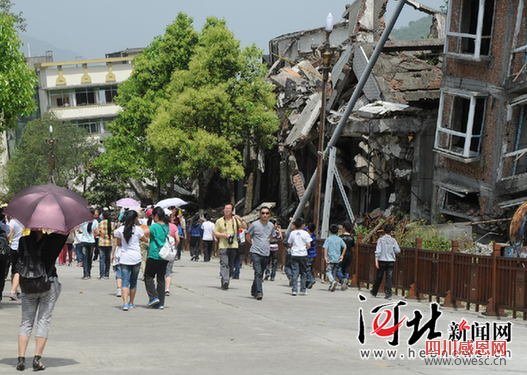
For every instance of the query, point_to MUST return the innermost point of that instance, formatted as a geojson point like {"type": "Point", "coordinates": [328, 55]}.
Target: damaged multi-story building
{"type": "Point", "coordinates": [481, 135]}
{"type": "Point", "coordinates": [385, 153]}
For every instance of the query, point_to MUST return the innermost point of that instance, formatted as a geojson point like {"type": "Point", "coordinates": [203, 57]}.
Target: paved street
{"type": "Point", "coordinates": [205, 330]}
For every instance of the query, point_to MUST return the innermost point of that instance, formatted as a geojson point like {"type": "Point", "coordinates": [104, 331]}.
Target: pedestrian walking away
{"type": "Point", "coordinates": [155, 266]}
{"type": "Point", "coordinates": [37, 251]}
{"type": "Point", "coordinates": [105, 234]}
{"type": "Point", "coordinates": [208, 238]}
{"type": "Point", "coordinates": [5, 252]}
{"type": "Point", "coordinates": [226, 230]}
{"type": "Point", "coordinates": [311, 255]}
{"type": "Point", "coordinates": [272, 264]}
{"type": "Point", "coordinates": [343, 271]}
{"type": "Point", "coordinates": [259, 235]}
{"type": "Point", "coordinates": [174, 233]}
{"type": "Point", "coordinates": [385, 255]}
{"type": "Point", "coordinates": [128, 237]}
{"type": "Point", "coordinates": [15, 233]}
{"type": "Point", "coordinates": [299, 241]}
{"type": "Point", "coordinates": [87, 237]}
{"type": "Point", "coordinates": [195, 237]}
{"type": "Point", "coordinates": [334, 250]}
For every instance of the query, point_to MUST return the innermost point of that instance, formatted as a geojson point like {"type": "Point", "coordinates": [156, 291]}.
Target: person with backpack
{"type": "Point", "coordinates": [87, 237]}
{"type": "Point", "coordinates": [37, 254]}
{"type": "Point", "coordinates": [195, 237]}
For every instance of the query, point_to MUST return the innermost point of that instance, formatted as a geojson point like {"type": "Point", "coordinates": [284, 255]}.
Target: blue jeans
{"type": "Point", "coordinates": [78, 253]}
{"type": "Point", "coordinates": [104, 260]}
{"type": "Point", "coordinates": [259, 264]}
{"type": "Point", "coordinates": [342, 272]}
{"type": "Point", "coordinates": [129, 274]}
{"type": "Point", "coordinates": [287, 267]}
{"type": "Point", "coordinates": [331, 272]}
{"type": "Point", "coordinates": [237, 263]}
{"type": "Point", "coordinates": [299, 268]}
{"type": "Point", "coordinates": [117, 271]}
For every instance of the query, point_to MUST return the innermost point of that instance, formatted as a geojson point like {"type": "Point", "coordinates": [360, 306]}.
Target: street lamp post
{"type": "Point", "coordinates": [51, 155]}
{"type": "Point", "coordinates": [326, 66]}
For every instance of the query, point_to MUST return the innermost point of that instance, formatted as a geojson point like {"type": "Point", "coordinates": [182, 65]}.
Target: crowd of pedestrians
{"type": "Point", "coordinates": [132, 241]}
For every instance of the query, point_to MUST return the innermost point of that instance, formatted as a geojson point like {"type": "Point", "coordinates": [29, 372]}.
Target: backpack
{"type": "Point", "coordinates": [33, 274]}
{"type": "Point", "coordinates": [5, 249]}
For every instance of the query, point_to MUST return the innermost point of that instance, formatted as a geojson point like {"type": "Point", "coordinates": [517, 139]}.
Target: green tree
{"type": "Point", "coordinates": [30, 164]}
{"type": "Point", "coordinates": [17, 80]}
{"type": "Point", "coordinates": [18, 19]}
{"type": "Point", "coordinates": [127, 153]}
{"type": "Point", "coordinates": [215, 108]}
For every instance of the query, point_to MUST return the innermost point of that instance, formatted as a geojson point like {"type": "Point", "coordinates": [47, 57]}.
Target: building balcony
{"type": "Point", "coordinates": [85, 112]}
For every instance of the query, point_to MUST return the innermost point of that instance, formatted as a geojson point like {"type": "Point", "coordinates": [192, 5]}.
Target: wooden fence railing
{"type": "Point", "coordinates": [450, 277]}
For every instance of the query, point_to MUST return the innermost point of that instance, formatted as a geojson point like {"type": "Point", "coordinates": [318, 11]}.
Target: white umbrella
{"type": "Point", "coordinates": [171, 202]}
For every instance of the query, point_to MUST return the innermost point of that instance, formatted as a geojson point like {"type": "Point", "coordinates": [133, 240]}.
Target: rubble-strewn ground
{"type": "Point", "coordinates": [205, 330]}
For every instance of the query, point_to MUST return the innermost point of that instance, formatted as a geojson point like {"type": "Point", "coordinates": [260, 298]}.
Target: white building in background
{"type": "Point", "coordinates": [83, 91]}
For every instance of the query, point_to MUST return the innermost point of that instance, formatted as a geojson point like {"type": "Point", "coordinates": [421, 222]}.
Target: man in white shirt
{"type": "Point", "coordinates": [208, 237]}
{"type": "Point", "coordinates": [300, 241]}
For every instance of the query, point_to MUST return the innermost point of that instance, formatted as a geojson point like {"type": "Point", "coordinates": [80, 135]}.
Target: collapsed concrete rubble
{"type": "Point", "coordinates": [385, 154]}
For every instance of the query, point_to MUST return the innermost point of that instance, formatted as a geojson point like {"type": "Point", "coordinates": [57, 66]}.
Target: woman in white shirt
{"type": "Point", "coordinates": [127, 237]}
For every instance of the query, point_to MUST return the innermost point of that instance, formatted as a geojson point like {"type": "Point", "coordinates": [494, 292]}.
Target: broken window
{"type": "Point", "coordinates": [515, 161]}
{"type": "Point", "coordinates": [460, 124]}
{"type": "Point", "coordinates": [459, 203]}
{"type": "Point", "coordinates": [470, 31]}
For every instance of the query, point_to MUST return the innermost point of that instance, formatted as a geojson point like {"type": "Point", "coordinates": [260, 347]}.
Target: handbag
{"type": "Point", "coordinates": [168, 250]}
{"type": "Point", "coordinates": [117, 256]}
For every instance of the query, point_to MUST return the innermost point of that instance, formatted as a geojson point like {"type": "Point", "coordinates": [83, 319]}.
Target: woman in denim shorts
{"type": "Point", "coordinates": [128, 237]}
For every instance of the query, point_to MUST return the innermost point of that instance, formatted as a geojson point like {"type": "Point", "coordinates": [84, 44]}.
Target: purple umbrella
{"type": "Point", "coordinates": [49, 207]}
{"type": "Point", "coordinates": [127, 203]}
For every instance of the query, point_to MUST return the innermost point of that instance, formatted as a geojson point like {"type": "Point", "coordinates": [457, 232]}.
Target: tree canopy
{"type": "Point", "coordinates": [17, 80]}
{"type": "Point", "coordinates": [194, 101]}
{"type": "Point", "coordinates": [30, 163]}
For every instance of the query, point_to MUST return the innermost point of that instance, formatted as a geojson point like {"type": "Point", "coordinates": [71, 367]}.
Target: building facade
{"type": "Point", "coordinates": [83, 91]}
{"type": "Point", "coordinates": [481, 134]}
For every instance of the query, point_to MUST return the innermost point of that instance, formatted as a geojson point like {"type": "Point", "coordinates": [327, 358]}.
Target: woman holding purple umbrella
{"type": "Point", "coordinates": [37, 250]}
{"type": "Point", "coordinates": [58, 210]}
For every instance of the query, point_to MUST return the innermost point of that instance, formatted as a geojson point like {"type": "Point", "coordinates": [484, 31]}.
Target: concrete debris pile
{"type": "Point", "coordinates": [384, 152]}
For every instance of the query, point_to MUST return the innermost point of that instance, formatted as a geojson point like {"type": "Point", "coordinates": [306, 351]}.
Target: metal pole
{"type": "Point", "coordinates": [326, 56]}
{"type": "Point", "coordinates": [353, 100]}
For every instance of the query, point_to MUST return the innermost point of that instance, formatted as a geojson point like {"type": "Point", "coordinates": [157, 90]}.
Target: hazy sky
{"type": "Point", "coordinates": [95, 27]}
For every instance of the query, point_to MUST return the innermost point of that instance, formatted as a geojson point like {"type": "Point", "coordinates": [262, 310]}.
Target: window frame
{"type": "Point", "coordinates": [476, 56]}
{"type": "Point", "coordinates": [468, 136]}
{"type": "Point", "coordinates": [517, 152]}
